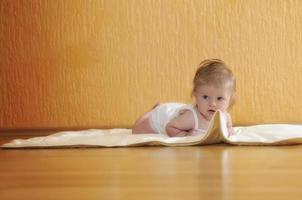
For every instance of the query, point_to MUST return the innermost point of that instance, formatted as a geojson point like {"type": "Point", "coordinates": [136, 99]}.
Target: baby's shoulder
{"type": "Point", "coordinates": [186, 115]}
{"type": "Point", "coordinates": [185, 112]}
{"type": "Point", "coordinates": [227, 117]}
{"type": "Point", "coordinates": [226, 114]}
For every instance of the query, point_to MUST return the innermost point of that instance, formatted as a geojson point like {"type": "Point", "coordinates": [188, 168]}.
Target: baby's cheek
{"type": "Point", "coordinates": [223, 107]}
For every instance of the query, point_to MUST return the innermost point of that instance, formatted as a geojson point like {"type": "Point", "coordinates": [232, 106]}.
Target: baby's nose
{"type": "Point", "coordinates": [212, 103]}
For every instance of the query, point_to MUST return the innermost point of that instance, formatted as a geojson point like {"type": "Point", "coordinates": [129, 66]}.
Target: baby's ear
{"type": "Point", "coordinates": [193, 94]}
{"type": "Point", "coordinates": [193, 97]}
{"type": "Point", "coordinates": [232, 100]}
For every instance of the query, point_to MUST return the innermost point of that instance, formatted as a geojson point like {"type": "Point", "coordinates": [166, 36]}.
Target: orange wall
{"type": "Point", "coordinates": [81, 63]}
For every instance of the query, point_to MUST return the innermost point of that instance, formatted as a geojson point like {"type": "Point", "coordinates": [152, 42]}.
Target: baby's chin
{"type": "Point", "coordinates": [209, 114]}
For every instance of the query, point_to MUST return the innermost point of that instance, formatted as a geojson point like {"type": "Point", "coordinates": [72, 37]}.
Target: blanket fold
{"type": "Point", "coordinates": [267, 134]}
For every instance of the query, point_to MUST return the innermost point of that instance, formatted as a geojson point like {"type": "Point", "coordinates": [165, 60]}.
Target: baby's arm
{"type": "Point", "coordinates": [181, 125]}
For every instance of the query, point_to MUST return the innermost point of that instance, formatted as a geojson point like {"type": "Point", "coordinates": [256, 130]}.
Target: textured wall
{"type": "Point", "coordinates": [85, 63]}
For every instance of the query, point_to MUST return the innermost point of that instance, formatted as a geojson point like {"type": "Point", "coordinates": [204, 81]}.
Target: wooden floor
{"type": "Point", "coordinates": [201, 172]}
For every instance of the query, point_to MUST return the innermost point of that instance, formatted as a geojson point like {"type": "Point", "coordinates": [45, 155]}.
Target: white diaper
{"type": "Point", "coordinates": [162, 114]}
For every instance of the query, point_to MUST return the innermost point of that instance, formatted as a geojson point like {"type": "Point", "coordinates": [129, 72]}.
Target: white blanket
{"type": "Point", "coordinates": [268, 134]}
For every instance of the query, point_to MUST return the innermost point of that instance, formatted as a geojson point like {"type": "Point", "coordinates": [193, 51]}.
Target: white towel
{"type": "Point", "coordinates": [267, 134]}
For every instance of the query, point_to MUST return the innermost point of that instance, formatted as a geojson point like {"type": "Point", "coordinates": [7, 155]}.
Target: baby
{"type": "Point", "coordinates": [213, 90]}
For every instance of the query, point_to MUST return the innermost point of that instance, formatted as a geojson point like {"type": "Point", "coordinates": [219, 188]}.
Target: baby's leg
{"type": "Point", "coordinates": [142, 125]}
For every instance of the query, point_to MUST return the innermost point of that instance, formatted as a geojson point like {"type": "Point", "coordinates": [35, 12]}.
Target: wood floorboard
{"type": "Point", "coordinates": [200, 172]}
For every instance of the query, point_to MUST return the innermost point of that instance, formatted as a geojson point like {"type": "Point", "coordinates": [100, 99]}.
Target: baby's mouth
{"type": "Point", "coordinates": [211, 111]}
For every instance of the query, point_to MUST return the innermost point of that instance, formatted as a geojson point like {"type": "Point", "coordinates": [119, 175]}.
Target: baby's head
{"type": "Point", "coordinates": [213, 79]}
{"type": "Point", "coordinates": [214, 72]}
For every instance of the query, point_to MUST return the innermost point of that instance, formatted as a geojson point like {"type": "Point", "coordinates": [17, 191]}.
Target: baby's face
{"type": "Point", "coordinates": [209, 99]}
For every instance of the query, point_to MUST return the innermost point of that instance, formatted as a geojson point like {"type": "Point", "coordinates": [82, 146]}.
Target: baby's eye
{"type": "Point", "coordinates": [205, 97]}
{"type": "Point", "coordinates": [220, 98]}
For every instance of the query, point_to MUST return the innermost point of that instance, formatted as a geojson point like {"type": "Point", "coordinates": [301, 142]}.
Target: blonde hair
{"type": "Point", "coordinates": [214, 72]}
